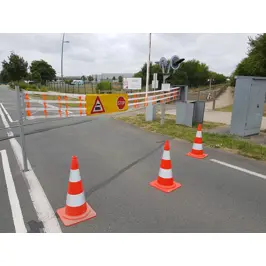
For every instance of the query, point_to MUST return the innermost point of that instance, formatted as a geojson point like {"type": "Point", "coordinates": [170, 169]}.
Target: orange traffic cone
{"type": "Point", "coordinates": [77, 209]}
{"type": "Point", "coordinates": [197, 148]}
{"type": "Point", "coordinates": [165, 181]}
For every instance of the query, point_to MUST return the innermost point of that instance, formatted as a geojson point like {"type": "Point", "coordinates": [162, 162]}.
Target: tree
{"type": "Point", "coordinates": [83, 78]}
{"type": "Point", "coordinates": [15, 69]}
{"type": "Point", "coordinates": [36, 77]}
{"type": "Point", "coordinates": [113, 77]}
{"type": "Point", "coordinates": [143, 72]}
{"type": "Point", "coordinates": [29, 76]}
{"type": "Point", "coordinates": [4, 76]}
{"type": "Point", "coordinates": [45, 70]}
{"type": "Point", "coordinates": [193, 72]}
{"type": "Point", "coordinates": [255, 62]}
{"type": "Point", "coordinates": [120, 79]}
{"type": "Point", "coordinates": [218, 78]}
{"type": "Point", "coordinates": [90, 78]}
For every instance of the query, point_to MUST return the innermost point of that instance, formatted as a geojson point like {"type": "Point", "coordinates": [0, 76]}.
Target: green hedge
{"type": "Point", "coordinates": [26, 86]}
{"type": "Point", "coordinates": [104, 86]}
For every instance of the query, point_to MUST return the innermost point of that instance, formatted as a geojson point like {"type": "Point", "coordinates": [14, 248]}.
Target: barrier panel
{"type": "Point", "coordinates": [106, 103]}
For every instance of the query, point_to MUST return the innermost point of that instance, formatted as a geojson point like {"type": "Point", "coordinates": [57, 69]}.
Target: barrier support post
{"type": "Point", "coordinates": [150, 114]}
{"type": "Point", "coordinates": [21, 126]}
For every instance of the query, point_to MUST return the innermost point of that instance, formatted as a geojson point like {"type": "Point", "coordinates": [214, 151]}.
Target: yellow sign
{"type": "Point", "coordinates": [106, 103]}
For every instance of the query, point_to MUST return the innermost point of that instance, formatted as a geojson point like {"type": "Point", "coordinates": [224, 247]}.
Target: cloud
{"type": "Point", "coordinates": [99, 53]}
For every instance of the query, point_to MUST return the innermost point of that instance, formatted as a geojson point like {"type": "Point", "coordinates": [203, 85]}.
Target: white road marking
{"type": "Point", "coordinates": [41, 203]}
{"type": "Point", "coordinates": [13, 197]}
{"type": "Point", "coordinates": [239, 168]}
{"type": "Point", "coordinates": [7, 114]}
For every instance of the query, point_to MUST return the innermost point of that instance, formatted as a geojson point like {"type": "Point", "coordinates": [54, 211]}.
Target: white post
{"type": "Point", "coordinates": [148, 67]}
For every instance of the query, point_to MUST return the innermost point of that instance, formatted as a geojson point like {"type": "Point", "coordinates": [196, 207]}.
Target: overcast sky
{"type": "Point", "coordinates": [113, 53]}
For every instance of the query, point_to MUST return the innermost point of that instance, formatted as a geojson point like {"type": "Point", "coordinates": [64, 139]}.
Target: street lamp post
{"type": "Point", "coordinates": [148, 67]}
{"type": "Point", "coordinates": [62, 55]}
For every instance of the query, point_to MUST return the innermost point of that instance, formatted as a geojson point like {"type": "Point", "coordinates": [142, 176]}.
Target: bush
{"type": "Point", "coordinates": [43, 89]}
{"type": "Point", "coordinates": [23, 85]}
{"type": "Point", "coordinates": [33, 88]}
{"type": "Point", "coordinates": [11, 85]}
{"type": "Point", "coordinates": [104, 86]}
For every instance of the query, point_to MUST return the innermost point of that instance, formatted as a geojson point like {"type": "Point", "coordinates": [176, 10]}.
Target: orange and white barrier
{"type": "Point", "coordinates": [137, 100]}
{"type": "Point", "coordinates": [73, 105]}
{"type": "Point", "coordinates": [165, 180]}
{"type": "Point", "coordinates": [27, 102]}
{"type": "Point", "coordinates": [66, 99]}
{"type": "Point", "coordinates": [77, 209]}
{"type": "Point", "coordinates": [60, 105]}
{"type": "Point", "coordinates": [197, 148]}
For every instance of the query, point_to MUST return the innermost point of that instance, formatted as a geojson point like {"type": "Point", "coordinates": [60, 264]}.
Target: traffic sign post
{"type": "Point", "coordinates": [155, 82]}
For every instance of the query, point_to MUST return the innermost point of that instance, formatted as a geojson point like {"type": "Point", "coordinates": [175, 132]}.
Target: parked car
{"type": "Point", "coordinates": [77, 82]}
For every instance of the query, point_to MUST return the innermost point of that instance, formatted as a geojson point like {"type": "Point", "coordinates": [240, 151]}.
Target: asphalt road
{"type": "Point", "coordinates": [117, 162]}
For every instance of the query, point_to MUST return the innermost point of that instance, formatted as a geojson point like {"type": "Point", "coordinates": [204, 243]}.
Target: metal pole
{"type": "Point", "coordinates": [198, 93]}
{"type": "Point", "coordinates": [148, 67]}
{"type": "Point", "coordinates": [214, 99]}
{"type": "Point", "coordinates": [162, 113]}
{"type": "Point", "coordinates": [21, 126]}
{"type": "Point", "coordinates": [62, 53]}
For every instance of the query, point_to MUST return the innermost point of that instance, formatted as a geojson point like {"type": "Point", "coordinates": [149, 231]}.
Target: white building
{"type": "Point", "coordinates": [109, 76]}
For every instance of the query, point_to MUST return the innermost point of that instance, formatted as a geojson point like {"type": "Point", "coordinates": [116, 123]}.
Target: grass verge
{"type": "Point", "coordinates": [229, 108]}
{"type": "Point", "coordinates": [227, 142]}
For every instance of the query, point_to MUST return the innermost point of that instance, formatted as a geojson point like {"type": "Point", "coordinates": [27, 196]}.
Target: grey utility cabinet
{"type": "Point", "coordinates": [248, 105]}
{"type": "Point", "coordinates": [198, 112]}
{"type": "Point", "coordinates": [184, 113]}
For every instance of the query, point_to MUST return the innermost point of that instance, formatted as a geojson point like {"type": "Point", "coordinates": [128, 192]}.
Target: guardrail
{"type": "Point", "coordinates": [67, 105]}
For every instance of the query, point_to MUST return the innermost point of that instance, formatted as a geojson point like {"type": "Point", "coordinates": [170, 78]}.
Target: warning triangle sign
{"type": "Point", "coordinates": [97, 107]}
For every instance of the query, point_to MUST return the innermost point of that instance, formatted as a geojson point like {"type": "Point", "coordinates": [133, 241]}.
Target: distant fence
{"type": "Point", "coordinates": [206, 95]}
{"type": "Point", "coordinates": [86, 88]}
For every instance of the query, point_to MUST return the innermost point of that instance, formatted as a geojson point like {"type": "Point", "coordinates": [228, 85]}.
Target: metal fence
{"type": "Point", "coordinates": [86, 88]}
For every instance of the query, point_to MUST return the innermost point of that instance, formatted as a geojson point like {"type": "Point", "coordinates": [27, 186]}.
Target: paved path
{"type": "Point", "coordinates": [223, 100]}
{"type": "Point", "coordinates": [117, 162]}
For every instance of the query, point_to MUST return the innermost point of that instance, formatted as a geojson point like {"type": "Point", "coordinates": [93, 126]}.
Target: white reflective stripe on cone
{"type": "Point", "coordinates": [197, 146]}
{"type": "Point", "coordinates": [74, 176]}
{"type": "Point", "coordinates": [166, 155]}
{"type": "Point", "coordinates": [75, 200]}
{"type": "Point", "coordinates": [199, 134]}
{"type": "Point", "coordinates": [165, 173]}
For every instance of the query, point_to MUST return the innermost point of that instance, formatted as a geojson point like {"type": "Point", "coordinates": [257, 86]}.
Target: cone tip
{"type": "Point", "coordinates": [199, 127]}
{"type": "Point", "coordinates": [74, 163]}
{"type": "Point", "coordinates": [167, 145]}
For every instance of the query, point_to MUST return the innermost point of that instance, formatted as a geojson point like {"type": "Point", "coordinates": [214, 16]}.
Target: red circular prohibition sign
{"type": "Point", "coordinates": [121, 102]}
